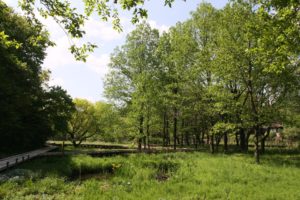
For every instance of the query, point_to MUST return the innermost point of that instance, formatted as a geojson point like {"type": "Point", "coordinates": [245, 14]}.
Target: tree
{"type": "Point", "coordinates": [24, 122]}
{"type": "Point", "coordinates": [110, 123]}
{"type": "Point", "coordinates": [132, 77]}
{"type": "Point", "coordinates": [82, 124]}
{"type": "Point", "coordinates": [59, 106]}
{"type": "Point", "coordinates": [204, 33]}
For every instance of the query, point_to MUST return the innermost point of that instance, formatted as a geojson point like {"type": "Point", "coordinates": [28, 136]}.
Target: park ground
{"type": "Point", "coordinates": [167, 176]}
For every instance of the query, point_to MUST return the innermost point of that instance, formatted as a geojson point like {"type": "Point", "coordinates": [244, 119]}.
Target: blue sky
{"type": "Point", "coordinates": [85, 80]}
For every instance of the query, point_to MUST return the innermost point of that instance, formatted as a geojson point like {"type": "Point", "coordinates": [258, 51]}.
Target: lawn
{"type": "Point", "coordinates": [175, 176]}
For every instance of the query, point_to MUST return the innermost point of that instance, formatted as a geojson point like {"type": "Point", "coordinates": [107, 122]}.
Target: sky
{"type": "Point", "coordinates": [85, 80]}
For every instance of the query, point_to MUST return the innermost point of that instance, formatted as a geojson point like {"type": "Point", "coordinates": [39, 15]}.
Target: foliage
{"type": "Point", "coordinates": [110, 123]}
{"type": "Point", "coordinates": [30, 110]}
{"type": "Point", "coordinates": [231, 71]}
{"type": "Point", "coordinates": [60, 106]}
{"type": "Point", "coordinates": [131, 81]}
{"type": "Point", "coordinates": [82, 124]}
{"type": "Point", "coordinates": [72, 21]}
{"type": "Point", "coordinates": [96, 121]}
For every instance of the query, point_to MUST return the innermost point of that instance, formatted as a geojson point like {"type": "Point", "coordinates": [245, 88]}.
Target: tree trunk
{"type": "Point", "coordinates": [225, 142]}
{"type": "Point", "coordinates": [194, 140]}
{"type": "Point", "coordinates": [182, 133]}
{"type": "Point", "coordinates": [140, 144]}
{"type": "Point", "coordinates": [255, 113]}
{"type": "Point", "coordinates": [73, 140]}
{"type": "Point", "coordinates": [263, 140]}
{"type": "Point", "coordinates": [207, 139]}
{"type": "Point", "coordinates": [187, 138]}
{"type": "Point", "coordinates": [243, 144]}
{"type": "Point", "coordinates": [175, 127]}
{"type": "Point", "coordinates": [196, 133]}
{"type": "Point", "coordinates": [148, 136]}
{"type": "Point", "coordinates": [198, 140]}
{"type": "Point", "coordinates": [202, 137]}
{"type": "Point", "coordinates": [263, 146]}
{"type": "Point", "coordinates": [63, 147]}
{"type": "Point", "coordinates": [247, 140]}
{"type": "Point", "coordinates": [212, 146]}
{"type": "Point", "coordinates": [256, 143]}
{"type": "Point", "coordinates": [218, 140]}
{"type": "Point", "coordinates": [145, 142]}
{"type": "Point", "coordinates": [178, 140]}
{"type": "Point", "coordinates": [75, 144]}
{"type": "Point", "coordinates": [63, 144]}
{"type": "Point", "coordinates": [237, 140]}
{"type": "Point", "coordinates": [141, 133]}
{"type": "Point", "coordinates": [168, 133]}
{"type": "Point", "coordinates": [164, 131]}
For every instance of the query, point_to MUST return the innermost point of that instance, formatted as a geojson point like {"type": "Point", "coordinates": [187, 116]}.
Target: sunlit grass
{"type": "Point", "coordinates": [162, 176]}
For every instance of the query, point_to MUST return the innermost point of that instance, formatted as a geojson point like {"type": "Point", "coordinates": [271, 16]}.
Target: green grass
{"type": "Point", "coordinates": [84, 150]}
{"type": "Point", "coordinates": [162, 177]}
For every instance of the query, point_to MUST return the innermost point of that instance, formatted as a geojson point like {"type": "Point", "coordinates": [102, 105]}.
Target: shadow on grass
{"type": "Point", "coordinates": [280, 157]}
{"type": "Point", "coordinates": [71, 168]}
{"type": "Point", "coordinates": [50, 166]}
{"type": "Point", "coordinates": [282, 151]}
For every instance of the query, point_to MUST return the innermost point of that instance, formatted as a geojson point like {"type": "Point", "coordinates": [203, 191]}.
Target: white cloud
{"type": "Point", "coordinates": [59, 55]}
{"type": "Point", "coordinates": [96, 29]}
{"type": "Point", "coordinates": [99, 64]}
{"type": "Point", "coordinates": [161, 28]}
{"type": "Point", "coordinates": [128, 26]}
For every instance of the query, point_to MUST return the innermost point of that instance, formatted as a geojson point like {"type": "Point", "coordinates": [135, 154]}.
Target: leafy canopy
{"type": "Point", "coordinates": [72, 21]}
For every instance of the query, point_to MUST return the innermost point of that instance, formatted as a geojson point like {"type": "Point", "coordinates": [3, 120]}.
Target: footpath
{"type": "Point", "coordinates": [11, 161]}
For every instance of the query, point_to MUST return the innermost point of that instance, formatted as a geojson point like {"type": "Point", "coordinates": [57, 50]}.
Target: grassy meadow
{"type": "Point", "coordinates": [173, 176]}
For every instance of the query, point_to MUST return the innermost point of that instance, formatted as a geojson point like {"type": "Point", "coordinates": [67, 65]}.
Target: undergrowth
{"type": "Point", "coordinates": [163, 176]}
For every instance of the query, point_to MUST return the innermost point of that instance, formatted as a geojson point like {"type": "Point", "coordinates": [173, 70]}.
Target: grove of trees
{"type": "Point", "coordinates": [223, 73]}
{"type": "Point", "coordinates": [232, 71]}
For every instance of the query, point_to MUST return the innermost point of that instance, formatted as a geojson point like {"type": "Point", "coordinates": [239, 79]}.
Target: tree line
{"type": "Point", "coordinates": [231, 71]}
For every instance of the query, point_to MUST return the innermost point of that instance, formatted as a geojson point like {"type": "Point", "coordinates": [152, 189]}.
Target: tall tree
{"type": "Point", "coordinates": [131, 77]}
{"type": "Point", "coordinates": [24, 122]}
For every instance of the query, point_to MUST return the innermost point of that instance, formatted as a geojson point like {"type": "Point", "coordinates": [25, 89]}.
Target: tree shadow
{"type": "Point", "coordinates": [282, 157]}
{"type": "Point", "coordinates": [59, 166]}
{"type": "Point", "coordinates": [273, 156]}
{"type": "Point", "coordinates": [69, 168]}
